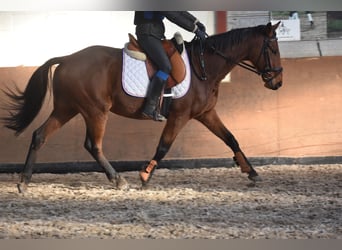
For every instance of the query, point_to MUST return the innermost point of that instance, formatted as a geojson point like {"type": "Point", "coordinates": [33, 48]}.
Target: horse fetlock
{"type": "Point", "coordinates": [22, 187]}
{"type": "Point", "coordinates": [246, 167]}
{"type": "Point", "coordinates": [241, 161]}
{"type": "Point", "coordinates": [147, 172]}
{"type": "Point", "coordinates": [254, 177]}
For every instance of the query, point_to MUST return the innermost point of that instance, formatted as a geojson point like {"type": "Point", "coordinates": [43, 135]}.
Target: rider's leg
{"type": "Point", "coordinates": [154, 49]}
{"type": "Point", "coordinates": [154, 92]}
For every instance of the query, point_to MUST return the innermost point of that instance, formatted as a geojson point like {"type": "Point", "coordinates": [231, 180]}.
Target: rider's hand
{"type": "Point", "coordinates": [200, 26]}
{"type": "Point", "coordinates": [201, 34]}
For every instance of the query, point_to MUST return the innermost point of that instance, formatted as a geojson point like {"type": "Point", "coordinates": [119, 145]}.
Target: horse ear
{"type": "Point", "coordinates": [271, 29]}
{"type": "Point", "coordinates": [276, 25]}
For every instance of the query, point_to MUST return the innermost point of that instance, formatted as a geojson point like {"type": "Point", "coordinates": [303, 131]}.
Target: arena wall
{"type": "Point", "coordinates": [301, 119]}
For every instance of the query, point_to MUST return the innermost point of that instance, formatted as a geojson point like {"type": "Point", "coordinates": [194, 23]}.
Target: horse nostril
{"type": "Point", "coordinates": [279, 84]}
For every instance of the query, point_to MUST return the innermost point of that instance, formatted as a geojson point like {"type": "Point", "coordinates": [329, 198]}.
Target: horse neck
{"type": "Point", "coordinates": [234, 49]}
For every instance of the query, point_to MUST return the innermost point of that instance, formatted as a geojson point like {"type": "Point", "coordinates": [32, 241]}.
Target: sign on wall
{"type": "Point", "coordinates": [288, 30]}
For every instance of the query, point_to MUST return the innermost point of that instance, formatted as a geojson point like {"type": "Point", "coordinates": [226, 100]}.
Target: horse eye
{"type": "Point", "coordinates": [274, 51]}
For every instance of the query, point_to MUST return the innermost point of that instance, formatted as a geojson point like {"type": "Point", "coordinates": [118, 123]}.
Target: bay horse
{"type": "Point", "coordinates": [89, 82]}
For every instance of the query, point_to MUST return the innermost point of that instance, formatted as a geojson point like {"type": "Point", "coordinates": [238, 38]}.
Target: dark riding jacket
{"type": "Point", "coordinates": [151, 22]}
{"type": "Point", "coordinates": [150, 31]}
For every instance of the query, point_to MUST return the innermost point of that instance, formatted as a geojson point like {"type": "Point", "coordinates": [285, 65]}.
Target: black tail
{"type": "Point", "coordinates": [25, 106]}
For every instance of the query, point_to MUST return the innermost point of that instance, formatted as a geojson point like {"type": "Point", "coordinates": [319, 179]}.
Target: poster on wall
{"type": "Point", "coordinates": [288, 30]}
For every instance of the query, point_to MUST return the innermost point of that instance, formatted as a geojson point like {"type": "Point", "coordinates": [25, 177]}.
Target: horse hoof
{"type": "Point", "coordinates": [22, 188]}
{"type": "Point", "coordinates": [144, 186]}
{"type": "Point", "coordinates": [145, 181]}
{"type": "Point", "coordinates": [254, 178]}
{"type": "Point", "coordinates": [122, 184]}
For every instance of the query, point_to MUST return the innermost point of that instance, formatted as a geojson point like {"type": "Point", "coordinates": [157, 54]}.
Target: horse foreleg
{"type": "Point", "coordinates": [93, 144]}
{"type": "Point", "coordinates": [214, 124]}
{"type": "Point", "coordinates": [172, 128]}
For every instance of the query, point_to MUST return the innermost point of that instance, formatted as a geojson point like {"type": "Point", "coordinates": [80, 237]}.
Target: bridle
{"type": "Point", "coordinates": [268, 74]}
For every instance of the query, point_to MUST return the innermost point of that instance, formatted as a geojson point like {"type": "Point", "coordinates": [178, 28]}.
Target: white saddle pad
{"type": "Point", "coordinates": [135, 78]}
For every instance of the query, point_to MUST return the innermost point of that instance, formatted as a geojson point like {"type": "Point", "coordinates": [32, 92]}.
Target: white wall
{"type": "Point", "coordinates": [31, 38]}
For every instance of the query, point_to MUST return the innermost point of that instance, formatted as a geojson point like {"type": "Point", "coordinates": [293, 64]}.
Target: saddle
{"type": "Point", "coordinates": [178, 69]}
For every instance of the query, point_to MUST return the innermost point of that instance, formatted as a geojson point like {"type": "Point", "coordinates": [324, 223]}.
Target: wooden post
{"type": "Point", "coordinates": [220, 21]}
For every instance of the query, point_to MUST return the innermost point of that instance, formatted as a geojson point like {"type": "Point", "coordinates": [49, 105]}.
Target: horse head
{"type": "Point", "coordinates": [266, 57]}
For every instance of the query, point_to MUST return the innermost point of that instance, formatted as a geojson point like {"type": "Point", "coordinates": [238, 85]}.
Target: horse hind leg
{"type": "Point", "coordinates": [39, 138]}
{"type": "Point", "coordinates": [93, 144]}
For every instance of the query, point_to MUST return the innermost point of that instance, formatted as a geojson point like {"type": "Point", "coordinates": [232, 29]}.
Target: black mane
{"type": "Point", "coordinates": [231, 38]}
{"type": "Point", "coordinates": [235, 36]}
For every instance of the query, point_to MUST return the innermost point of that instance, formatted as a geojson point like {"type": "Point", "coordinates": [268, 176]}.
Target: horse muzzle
{"type": "Point", "coordinates": [272, 86]}
{"type": "Point", "coordinates": [273, 75]}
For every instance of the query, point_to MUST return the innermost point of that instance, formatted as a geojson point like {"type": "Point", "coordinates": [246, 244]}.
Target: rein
{"type": "Point", "coordinates": [244, 65]}
{"type": "Point", "coordinates": [203, 76]}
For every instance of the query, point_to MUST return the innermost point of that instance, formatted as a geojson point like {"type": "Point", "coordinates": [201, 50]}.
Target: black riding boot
{"type": "Point", "coordinates": [154, 92]}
